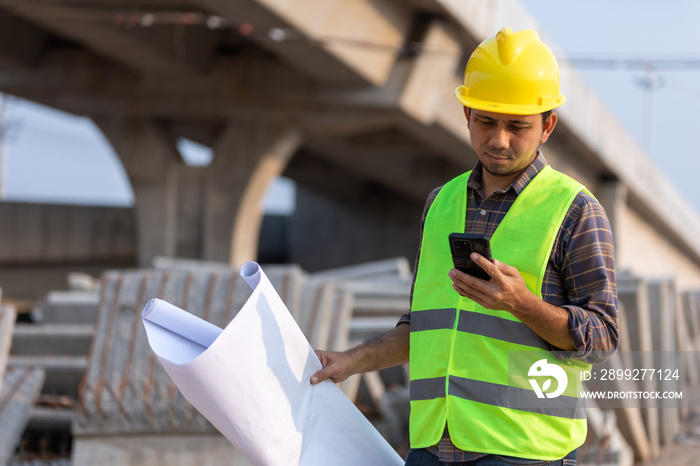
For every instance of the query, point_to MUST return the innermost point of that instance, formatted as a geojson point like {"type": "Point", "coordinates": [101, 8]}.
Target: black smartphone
{"type": "Point", "coordinates": [462, 245]}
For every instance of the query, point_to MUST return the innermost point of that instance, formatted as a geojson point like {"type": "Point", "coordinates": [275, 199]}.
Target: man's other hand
{"type": "Point", "coordinates": [336, 366]}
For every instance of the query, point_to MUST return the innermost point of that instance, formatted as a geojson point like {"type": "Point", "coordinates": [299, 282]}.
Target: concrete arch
{"type": "Point", "coordinates": [273, 158]}
{"type": "Point", "coordinates": [213, 212]}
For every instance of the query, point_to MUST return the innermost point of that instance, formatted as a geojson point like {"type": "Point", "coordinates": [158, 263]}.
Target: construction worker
{"type": "Point", "coordinates": [551, 288]}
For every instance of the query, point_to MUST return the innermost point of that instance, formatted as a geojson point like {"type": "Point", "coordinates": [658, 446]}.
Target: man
{"type": "Point", "coordinates": [552, 285]}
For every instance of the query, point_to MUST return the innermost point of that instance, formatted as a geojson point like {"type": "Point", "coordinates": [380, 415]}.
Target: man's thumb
{"type": "Point", "coordinates": [319, 376]}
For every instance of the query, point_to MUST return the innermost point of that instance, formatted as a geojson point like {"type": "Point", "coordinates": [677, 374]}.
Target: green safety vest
{"type": "Point", "coordinates": [460, 351]}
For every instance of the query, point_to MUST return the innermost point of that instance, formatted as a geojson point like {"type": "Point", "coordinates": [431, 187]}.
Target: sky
{"type": "Point", "coordinates": [658, 31]}
{"type": "Point", "coordinates": [59, 158]}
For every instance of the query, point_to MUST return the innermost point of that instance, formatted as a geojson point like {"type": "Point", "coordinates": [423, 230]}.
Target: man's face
{"type": "Point", "coordinates": [507, 144]}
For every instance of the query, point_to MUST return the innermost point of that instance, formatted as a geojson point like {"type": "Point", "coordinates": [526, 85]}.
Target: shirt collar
{"type": "Point", "coordinates": [518, 184]}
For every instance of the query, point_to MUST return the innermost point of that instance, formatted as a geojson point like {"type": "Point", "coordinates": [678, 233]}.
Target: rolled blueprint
{"type": "Point", "coordinates": [251, 381]}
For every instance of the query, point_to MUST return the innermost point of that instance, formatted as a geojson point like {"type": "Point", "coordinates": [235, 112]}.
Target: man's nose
{"type": "Point", "coordinates": [499, 138]}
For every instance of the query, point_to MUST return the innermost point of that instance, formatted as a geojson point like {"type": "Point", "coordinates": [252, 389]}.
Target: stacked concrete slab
{"type": "Point", "coordinates": [660, 329]}
{"type": "Point", "coordinates": [19, 388]}
{"type": "Point", "coordinates": [605, 445]}
{"type": "Point", "coordinates": [56, 342]}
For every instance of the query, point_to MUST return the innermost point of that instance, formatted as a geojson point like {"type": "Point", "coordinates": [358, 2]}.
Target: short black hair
{"type": "Point", "coordinates": [545, 115]}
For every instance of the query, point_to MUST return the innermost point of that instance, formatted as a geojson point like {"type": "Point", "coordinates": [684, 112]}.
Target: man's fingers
{"type": "Point", "coordinates": [489, 267]}
{"type": "Point", "coordinates": [334, 367]}
{"type": "Point", "coordinates": [318, 377]}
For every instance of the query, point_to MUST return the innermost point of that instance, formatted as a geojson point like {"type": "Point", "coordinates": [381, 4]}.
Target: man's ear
{"type": "Point", "coordinates": [549, 125]}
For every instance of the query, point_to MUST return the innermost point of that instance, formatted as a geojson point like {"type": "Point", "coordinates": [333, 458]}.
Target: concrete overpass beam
{"type": "Point", "coordinates": [248, 156]}
{"type": "Point", "coordinates": [350, 41]}
{"type": "Point", "coordinates": [427, 100]}
{"type": "Point", "coordinates": [432, 75]}
{"type": "Point", "coordinates": [86, 28]}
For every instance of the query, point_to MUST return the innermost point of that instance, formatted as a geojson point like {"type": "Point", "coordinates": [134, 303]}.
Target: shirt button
{"type": "Point", "coordinates": [483, 212]}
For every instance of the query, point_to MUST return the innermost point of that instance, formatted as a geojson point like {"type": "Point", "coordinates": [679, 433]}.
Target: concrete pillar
{"type": "Point", "coordinates": [612, 195]}
{"type": "Point", "coordinates": [248, 156]}
{"type": "Point", "coordinates": [151, 161]}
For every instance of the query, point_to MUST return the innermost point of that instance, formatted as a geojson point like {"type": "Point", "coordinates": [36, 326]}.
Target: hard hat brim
{"type": "Point", "coordinates": [512, 109]}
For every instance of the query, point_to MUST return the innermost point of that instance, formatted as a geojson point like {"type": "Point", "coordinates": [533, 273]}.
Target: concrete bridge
{"type": "Point", "coordinates": [352, 99]}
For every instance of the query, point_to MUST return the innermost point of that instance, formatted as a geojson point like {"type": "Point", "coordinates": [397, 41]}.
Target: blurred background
{"type": "Point", "coordinates": [197, 135]}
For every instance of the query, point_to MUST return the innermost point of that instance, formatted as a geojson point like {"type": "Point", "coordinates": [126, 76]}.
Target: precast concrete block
{"type": "Point", "coordinates": [663, 302]}
{"type": "Point", "coordinates": [689, 335]}
{"type": "Point", "coordinates": [7, 324]}
{"type": "Point", "coordinates": [632, 293]}
{"type": "Point", "coordinates": [688, 358]}
{"type": "Point", "coordinates": [316, 308]}
{"type": "Point", "coordinates": [56, 339]}
{"type": "Point", "coordinates": [629, 416]}
{"type": "Point", "coordinates": [692, 309]}
{"type": "Point", "coordinates": [62, 373]}
{"type": "Point", "coordinates": [68, 307]}
{"type": "Point", "coordinates": [369, 271]}
{"type": "Point", "coordinates": [287, 279]}
{"type": "Point", "coordinates": [17, 397]}
{"type": "Point", "coordinates": [341, 316]}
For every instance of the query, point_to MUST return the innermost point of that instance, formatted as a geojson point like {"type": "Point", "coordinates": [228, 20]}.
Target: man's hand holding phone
{"type": "Point", "coordinates": [503, 289]}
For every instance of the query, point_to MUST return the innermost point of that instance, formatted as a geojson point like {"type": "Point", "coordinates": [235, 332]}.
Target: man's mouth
{"type": "Point", "coordinates": [498, 158]}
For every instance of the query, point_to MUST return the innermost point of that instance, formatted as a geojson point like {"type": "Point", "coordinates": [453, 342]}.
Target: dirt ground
{"type": "Point", "coordinates": [685, 451]}
{"type": "Point", "coordinates": [677, 455]}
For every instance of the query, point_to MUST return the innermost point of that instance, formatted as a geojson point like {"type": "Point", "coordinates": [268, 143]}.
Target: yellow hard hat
{"type": "Point", "coordinates": [512, 72]}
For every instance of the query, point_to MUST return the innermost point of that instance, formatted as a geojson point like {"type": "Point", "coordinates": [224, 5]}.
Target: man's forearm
{"type": "Point", "coordinates": [548, 321]}
{"type": "Point", "coordinates": [391, 349]}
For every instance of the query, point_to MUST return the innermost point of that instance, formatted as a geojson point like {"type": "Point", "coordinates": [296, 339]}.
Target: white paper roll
{"type": "Point", "coordinates": [251, 381]}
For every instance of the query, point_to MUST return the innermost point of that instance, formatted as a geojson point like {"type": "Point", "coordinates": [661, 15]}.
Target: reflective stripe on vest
{"type": "Point", "coordinates": [460, 351]}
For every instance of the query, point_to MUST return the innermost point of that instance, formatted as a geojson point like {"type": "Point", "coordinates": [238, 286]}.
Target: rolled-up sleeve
{"type": "Point", "coordinates": [588, 274]}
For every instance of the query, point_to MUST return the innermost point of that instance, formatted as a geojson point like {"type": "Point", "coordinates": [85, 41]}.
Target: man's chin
{"type": "Point", "coordinates": [500, 170]}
